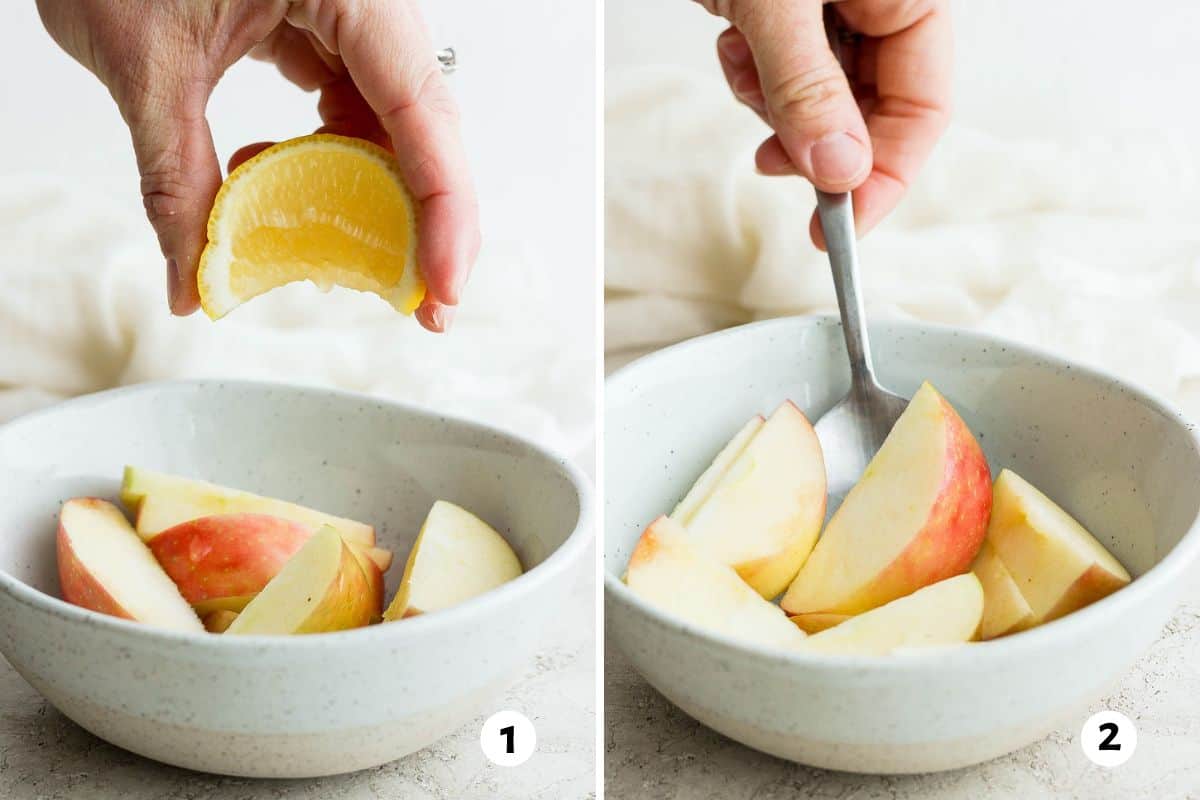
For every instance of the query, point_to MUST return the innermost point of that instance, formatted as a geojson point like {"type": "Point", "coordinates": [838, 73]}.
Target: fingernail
{"type": "Point", "coordinates": [746, 86]}
{"type": "Point", "coordinates": [838, 158]}
{"type": "Point", "coordinates": [735, 49]}
{"type": "Point", "coordinates": [774, 161]}
{"type": "Point", "coordinates": [444, 316]}
{"type": "Point", "coordinates": [173, 282]}
{"type": "Point", "coordinates": [439, 317]}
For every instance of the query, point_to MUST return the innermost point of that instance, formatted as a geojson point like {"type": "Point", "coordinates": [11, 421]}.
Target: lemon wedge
{"type": "Point", "coordinates": [329, 209]}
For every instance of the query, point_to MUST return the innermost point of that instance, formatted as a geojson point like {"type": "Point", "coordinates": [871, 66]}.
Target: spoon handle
{"type": "Point", "coordinates": [836, 212]}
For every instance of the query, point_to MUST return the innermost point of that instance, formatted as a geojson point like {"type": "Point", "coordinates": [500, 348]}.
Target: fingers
{"type": "Point", "coordinates": [434, 316]}
{"type": "Point", "coordinates": [343, 110]}
{"type": "Point", "coordinates": [913, 62]}
{"type": "Point", "coordinates": [244, 154]}
{"type": "Point", "coordinates": [737, 62]}
{"type": "Point", "coordinates": [180, 177]}
{"type": "Point", "coordinates": [297, 57]}
{"type": "Point", "coordinates": [819, 131]}
{"type": "Point", "coordinates": [388, 54]}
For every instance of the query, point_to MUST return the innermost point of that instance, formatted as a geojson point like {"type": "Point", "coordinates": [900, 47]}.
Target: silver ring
{"type": "Point", "coordinates": [447, 59]}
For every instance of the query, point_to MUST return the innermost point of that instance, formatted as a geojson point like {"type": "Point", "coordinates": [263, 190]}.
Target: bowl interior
{"type": "Point", "coordinates": [348, 455]}
{"type": "Point", "coordinates": [1124, 465]}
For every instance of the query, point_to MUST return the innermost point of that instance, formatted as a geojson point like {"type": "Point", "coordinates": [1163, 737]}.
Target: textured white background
{"type": "Point", "coordinates": [81, 308]}
{"type": "Point", "coordinates": [1061, 209]}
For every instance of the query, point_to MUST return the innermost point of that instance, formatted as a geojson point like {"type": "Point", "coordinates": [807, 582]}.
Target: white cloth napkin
{"type": "Point", "coordinates": [82, 308]}
{"type": "Point", "coordinates": [1087, 247]}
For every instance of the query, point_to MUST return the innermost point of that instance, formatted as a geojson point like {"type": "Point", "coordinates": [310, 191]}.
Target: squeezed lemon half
{"type": "Point", "coordinates": [325, 208]}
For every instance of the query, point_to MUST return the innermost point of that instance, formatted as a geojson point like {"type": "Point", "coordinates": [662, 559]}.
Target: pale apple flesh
{"type": "Point", "coordinates": [917, 516]}
{"type": "Point", "coordinates": [380, 557]}
{"type": "Point", "coordinates": [219, 621]}
{"type": "Point", "coordinates": [159, 501]}
{"type": "Point", "coordinates": [234, 603]}
{"type": "Point", "coordinates": [1056, 563]}
{"type": "Point", "coordinates": [226, 556]}
{"type": "Point", "coordinates": [668, 571]}
{"type": "Point", "coordinates": [815, 623]}
{"type": "Point", "coordinates": [945, 613]}
{"type": "Point", "coordinates": [712, 475]}
{"type": "Point", "coordinates": [321, 589]}
{"type": "Point", "coordinates": [105, 567]}
{"type": "Point", "coordinates": [456, 557]}
{"type": "Point", "coordinates": [760, 506]}
{"type": "Point", "coordinates": [1005, 610]}
{"type": "Point", "coordinates": [373, 576]}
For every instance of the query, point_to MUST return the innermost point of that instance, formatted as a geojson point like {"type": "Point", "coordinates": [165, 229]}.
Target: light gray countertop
{"type": "Point", "coordinates": [655, 752]}
{"type": "Point", "coordinates": [45, 756]}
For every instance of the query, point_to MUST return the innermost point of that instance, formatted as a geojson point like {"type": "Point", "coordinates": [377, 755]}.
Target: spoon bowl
{"type": "Point", "coordinates": [852, 432]}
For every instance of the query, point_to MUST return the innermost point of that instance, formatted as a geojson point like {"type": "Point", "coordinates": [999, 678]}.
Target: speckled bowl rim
{"type": "Point", "coordinates": [1170, 568]}
{"type": "Point", "coordinates": [559, 560]}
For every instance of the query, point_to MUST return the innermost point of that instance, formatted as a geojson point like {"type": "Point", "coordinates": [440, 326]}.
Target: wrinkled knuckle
{"type": "Point", "coordinates": [429, 91]}
{"type": "Point", "coordinates": [810, 95]}
{"type": "Point", "coordinates": [427, 172]}
{"type": "Point", "coordinates": [164, 195]}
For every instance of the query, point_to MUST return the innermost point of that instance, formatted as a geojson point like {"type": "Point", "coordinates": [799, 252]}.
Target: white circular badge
{"type": "Point", "coordinates": [1108, 738]}
{"type": "Point", "coordinates": [508, 738]}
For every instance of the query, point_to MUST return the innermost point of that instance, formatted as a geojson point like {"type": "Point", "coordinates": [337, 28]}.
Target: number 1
{"type": "Point", "coordinates": [510, 732]}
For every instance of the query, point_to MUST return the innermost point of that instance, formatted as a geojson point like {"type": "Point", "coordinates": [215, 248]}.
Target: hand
{"type": "Point", "coordinates": [378, 79]}
{"type": "Point", "coordinates": [869, 131]}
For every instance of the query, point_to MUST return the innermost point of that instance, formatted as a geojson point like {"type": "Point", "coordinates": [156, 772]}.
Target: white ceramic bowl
{"type": "Point", "coordinates": [282, 706]}
{"type": "Point", "coordinates": [1123, 462]}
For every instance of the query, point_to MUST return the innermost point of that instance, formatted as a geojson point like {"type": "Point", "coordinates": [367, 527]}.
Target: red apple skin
{"type": "Point", "coordinates": [79, 587]}
{"type": "Point", "coordinates": [227, 555]}
{"type": "Point", "coordinates": [955, 528]}
{"type": "Point", "coordinates": [952, 534]}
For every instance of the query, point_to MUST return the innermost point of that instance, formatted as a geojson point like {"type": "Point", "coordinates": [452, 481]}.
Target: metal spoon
{"type": "Point", "coordinates": [853, 430]}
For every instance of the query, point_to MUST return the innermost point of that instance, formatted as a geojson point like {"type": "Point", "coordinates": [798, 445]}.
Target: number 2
{"type": "Point", "coordinates": [1107, 743]}
{"type": "Point", "coordinates": [510, 732]}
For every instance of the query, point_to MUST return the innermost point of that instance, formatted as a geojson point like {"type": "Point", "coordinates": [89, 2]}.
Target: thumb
{"type": "Point", "coordinates": [180, 177]}
{"type": "Point", "coordinates": [819, 129]}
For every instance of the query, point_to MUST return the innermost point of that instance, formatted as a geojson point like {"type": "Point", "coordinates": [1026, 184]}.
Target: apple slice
{"type": "Point", "coordinates": [380, 557]}
{"type": "Point", "coordinates": [374, 576]}
{"type": "Point", "coordinates": [322, 588]}
{"type": "Point", "coordinates": [456, 556]}
{"type": "Point", "coordinates": [105, 567]}
{"type": "Point", "coordinates": [1058, 566]}
{"type": "Point", "coordinates": [917, 516]}
{"type": "Point", "coordinates": [159, 501]}
{"type": "Point", "coordinates": [670, 572]}
{"type": "Point", "coordinates": [947, 612]}
{"type": "Point", "coordinates": [222, 561]}
{"type": "Point", "coordinates": [815, 623]}
{"type": "Point", "coordinates": [219, 621]}
{"type": "Point", "coordinates": [711, 477]}
{"type": "Point", "coordinates": [1004, 608]}
{"type": "Point", "coordinates": [765, 506]}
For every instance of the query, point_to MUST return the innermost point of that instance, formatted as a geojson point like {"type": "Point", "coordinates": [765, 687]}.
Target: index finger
{"type": "Point", "coordinates": [913, 60]}
{"type": "Point", "coordinates": [387, 51]}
